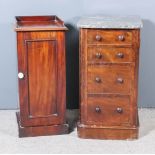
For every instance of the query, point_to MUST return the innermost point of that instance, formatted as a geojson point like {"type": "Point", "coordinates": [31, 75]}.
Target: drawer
{"type": "Point", "coordinates": [109, 79]}
{"type": "Point", "coordinates": [116, 37]}
{"type": "Point", "coordinates": [109, 111]}
{"type": "Point", "coordinates": [110, 55]}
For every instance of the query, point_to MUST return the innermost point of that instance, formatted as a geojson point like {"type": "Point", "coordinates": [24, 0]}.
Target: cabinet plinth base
{"type": "Point", "coordinates": [41, 130]}
{"type": "Point", "coordinates": [101, 132]}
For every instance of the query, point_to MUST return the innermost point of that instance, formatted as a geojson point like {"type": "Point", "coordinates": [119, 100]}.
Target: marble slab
{"type": "Point", "coordinates": [111, 22]}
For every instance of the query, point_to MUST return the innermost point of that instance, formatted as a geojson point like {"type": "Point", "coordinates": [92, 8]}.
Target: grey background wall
{"type": "Point", "coordinates": [70, 11]}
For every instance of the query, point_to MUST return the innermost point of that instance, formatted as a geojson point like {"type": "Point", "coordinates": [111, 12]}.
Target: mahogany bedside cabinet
{"type": "Point", "coordinates": [109, 57]}
{"type": "Point", "coordinates": [42, 75]}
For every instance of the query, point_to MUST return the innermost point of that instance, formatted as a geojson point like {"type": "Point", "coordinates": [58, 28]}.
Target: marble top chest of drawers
{"type": "Point", "coordinates": [109, 57]}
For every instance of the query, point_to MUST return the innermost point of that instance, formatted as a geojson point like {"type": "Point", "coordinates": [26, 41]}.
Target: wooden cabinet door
{"type": "Point", "coordinates": [41, 58]}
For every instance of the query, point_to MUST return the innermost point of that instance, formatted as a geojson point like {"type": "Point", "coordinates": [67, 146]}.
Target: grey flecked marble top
{"type": "Point", "coordinates": [115, 22]}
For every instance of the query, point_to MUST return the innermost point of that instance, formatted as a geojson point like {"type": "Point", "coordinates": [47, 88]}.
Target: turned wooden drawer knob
{"type": "Point", "coordinates": [120, 80]}
{"type": "Point", "coordinates": [98, 80]}
{"type": "Point", "coordinates": [98, 37]}
{"type": "Point", "coordinates": [98, 55]}
{"type": "Point", "coordinates": [119, 110]}
{"type": "Point", "coordinates": [97, 109]}
{"type": "Point", "coordinates": [121, 37]}
{"type": "Point", "coordinates": [120, 55]}
{"type": "Point", "coordinates": [20, 75]}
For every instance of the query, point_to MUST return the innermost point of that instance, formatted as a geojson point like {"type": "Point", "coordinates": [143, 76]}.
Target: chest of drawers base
{"type": "Point", "coordinates": [109, 83]}
{"type": "Point", "coordinates": [102, 132]}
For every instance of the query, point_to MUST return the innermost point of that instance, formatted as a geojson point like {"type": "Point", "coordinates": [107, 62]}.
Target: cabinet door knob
{"type": "Point", "coordinates": [98, 55]}
{"type": "Point", "coordinates": [121, 37]}
{"type": "Point", "coordinates": [98, 109]}
{"type": "Point", "coordinates": [97, 79]}
{"type": "Point", "coordinates": [20, 75]}
{"type": "Point", "coordinates": [120, 80]}
{"type": "Point", "coordinates": [120, 55]}
{"type": "Point", "coordinates": [119, 110]}
{"type": "Point", "coordinates": [98, 37]}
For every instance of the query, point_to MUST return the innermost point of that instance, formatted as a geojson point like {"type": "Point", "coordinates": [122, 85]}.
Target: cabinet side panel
{"type": "Point", "coordinates": [42, 77]}
{"type": "Point", "coordinates": [22, 67]}
{"type": "Point", "coordinates": [134, 97]}
{"type": "Point", "coordinates": [61, 69]}
{"type": "Point", "coordinates": [83, 75]}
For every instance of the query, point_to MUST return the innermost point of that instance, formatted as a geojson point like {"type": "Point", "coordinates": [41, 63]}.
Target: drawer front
{"type": "Point", "coordinates": [109, 79]}
{"type": "Point", "coordinates": [110, 55]}
{"type": "Point", "coordinates": [108, 111]}
{"type": "Point", "coordinates": [120, 37]}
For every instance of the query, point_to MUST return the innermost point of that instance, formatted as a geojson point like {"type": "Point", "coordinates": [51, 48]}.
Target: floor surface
{"type": "Point", "coordinates": [10, 143]}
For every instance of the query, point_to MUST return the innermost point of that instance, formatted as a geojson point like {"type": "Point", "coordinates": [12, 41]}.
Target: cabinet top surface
{"type": "Point", "coordinates": [39, 23]}
{"type": "Point", "coordinates": [111, 22]}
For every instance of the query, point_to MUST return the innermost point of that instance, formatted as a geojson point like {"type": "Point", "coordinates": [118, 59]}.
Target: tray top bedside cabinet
{"type": "Point", "coordinates": [109, 58]}
{"type": "Point", "coordinates": [42, 75]}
